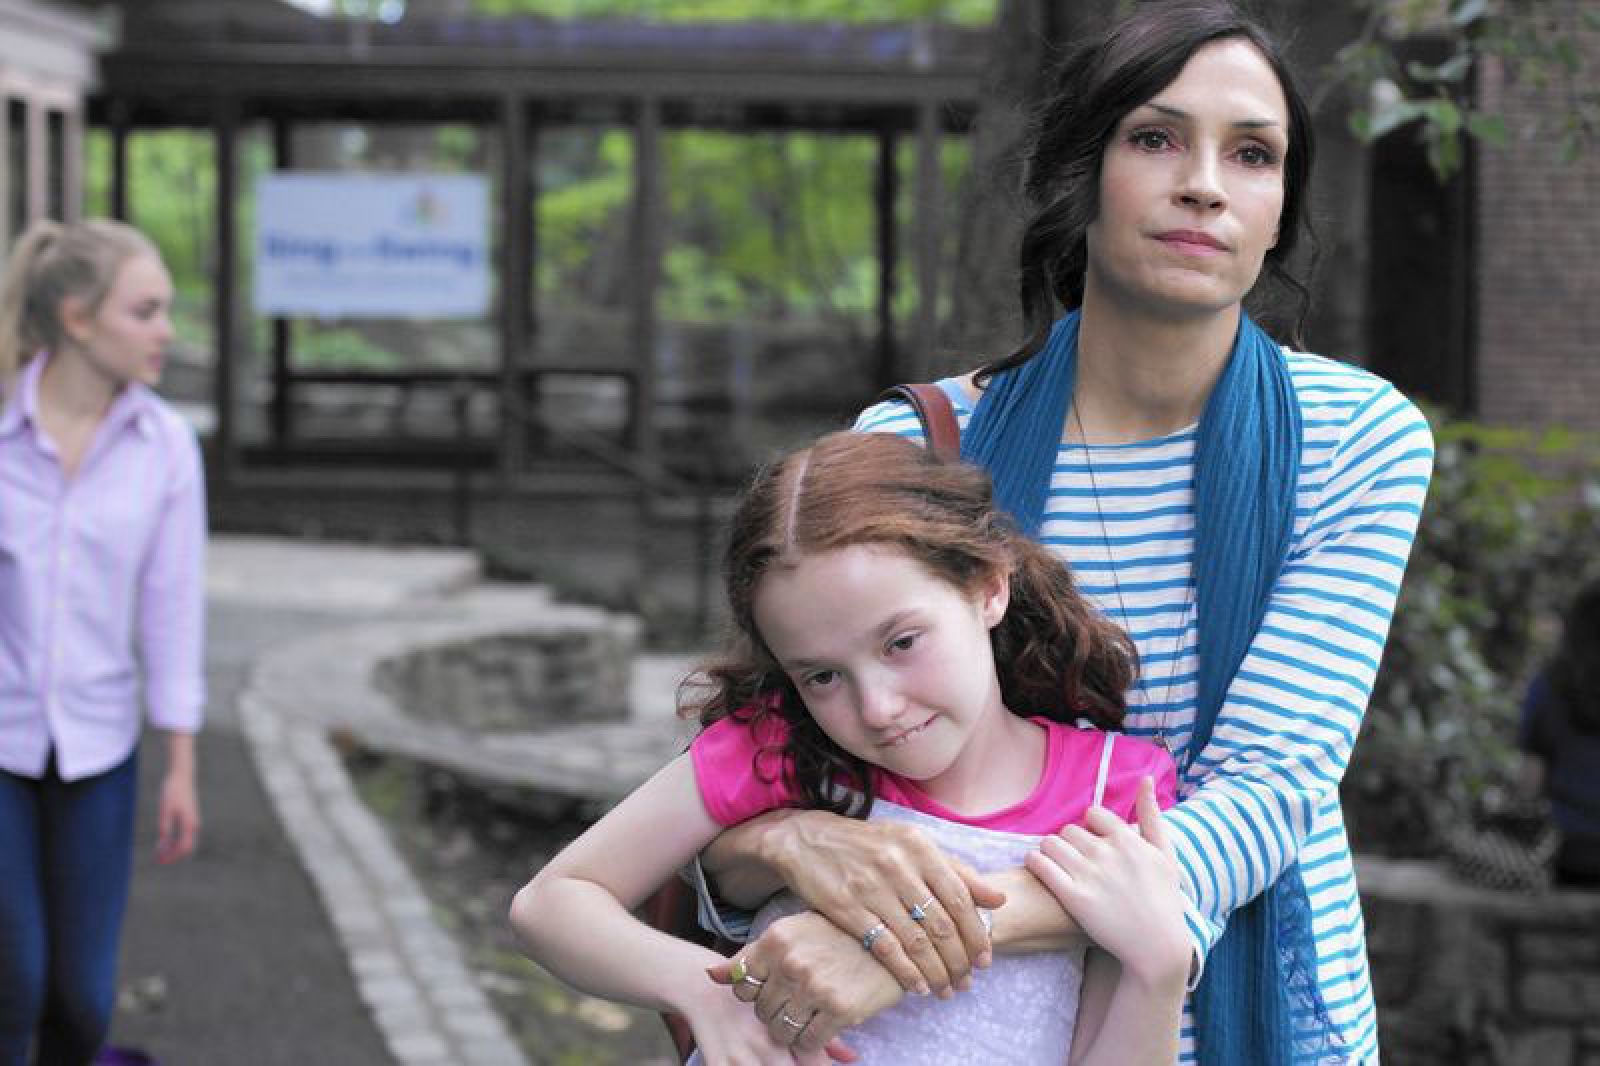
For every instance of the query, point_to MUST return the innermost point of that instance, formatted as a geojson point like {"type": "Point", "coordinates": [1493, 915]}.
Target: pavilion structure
{"type": "Point", "coordinates": [47, 68]}
{"type": "Point", "coordinates": [230, 65]}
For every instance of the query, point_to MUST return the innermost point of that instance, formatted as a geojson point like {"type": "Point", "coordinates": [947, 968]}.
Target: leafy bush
{"type": "Point", "coordinates": [1511, 528]}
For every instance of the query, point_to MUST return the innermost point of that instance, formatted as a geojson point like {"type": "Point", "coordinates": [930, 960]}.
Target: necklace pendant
{"type": "Point", "coordinates": [1163, 743]}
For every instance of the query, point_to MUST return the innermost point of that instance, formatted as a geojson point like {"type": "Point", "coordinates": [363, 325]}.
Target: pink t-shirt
{"type": "Point", "coordinates": [738, 767]}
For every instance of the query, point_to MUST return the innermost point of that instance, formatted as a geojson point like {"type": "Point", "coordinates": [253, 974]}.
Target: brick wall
{"type": "Point", "coordinates": [1538, 254]}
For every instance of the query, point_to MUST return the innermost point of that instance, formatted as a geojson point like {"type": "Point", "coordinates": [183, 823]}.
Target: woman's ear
{"type": "Point", "coordinates": [77, 321]}
{"type": "Point", "coordinates": [996, 597]}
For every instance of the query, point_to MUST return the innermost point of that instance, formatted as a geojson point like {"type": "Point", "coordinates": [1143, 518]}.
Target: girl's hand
{"type": "Point", "coordinates": [811, 973]}
{"type": "Point", "coordinates": [860, 874]}
{"type": "Point", "coordinates": [178, 810]}
{"type": "Point", "coordinates": [1122, 885]}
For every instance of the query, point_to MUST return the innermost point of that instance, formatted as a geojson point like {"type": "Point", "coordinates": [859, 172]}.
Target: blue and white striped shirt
{"type": "Point", "coordinates": [1265, 790]}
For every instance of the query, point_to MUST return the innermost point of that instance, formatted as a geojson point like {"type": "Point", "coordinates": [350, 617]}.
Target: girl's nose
{"type": "Point", "coordinates": [880, 703]}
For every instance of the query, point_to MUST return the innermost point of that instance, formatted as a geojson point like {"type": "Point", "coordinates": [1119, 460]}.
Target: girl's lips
{"type": "Point", "coordinates": [900, 738]}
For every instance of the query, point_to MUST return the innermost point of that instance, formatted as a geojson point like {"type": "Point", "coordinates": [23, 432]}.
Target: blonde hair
{"type": "Point", "coordinates": [50, 262]}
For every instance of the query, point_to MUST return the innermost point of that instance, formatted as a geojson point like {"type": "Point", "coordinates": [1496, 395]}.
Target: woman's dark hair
{"type": "Point", "coordinates": [1574, 671]}
{"type": "Point", "coordinates": [1055, 654]}
{"type": "Point", "coordinates": [1091, 90]}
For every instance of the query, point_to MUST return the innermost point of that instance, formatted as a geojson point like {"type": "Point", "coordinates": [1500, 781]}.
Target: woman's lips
{"type": "Point", "coordinates": [1192, 242]}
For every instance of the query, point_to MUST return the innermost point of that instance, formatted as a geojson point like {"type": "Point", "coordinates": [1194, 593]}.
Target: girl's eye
{"type": "Point", "coordinates": [1257, 155]}
{"type": "Point", "coordinates": [903, 643]}
{"type": "Point", "coordinates": [1150, 140]}
{"type": "Point", "coordinates": [821, 679]}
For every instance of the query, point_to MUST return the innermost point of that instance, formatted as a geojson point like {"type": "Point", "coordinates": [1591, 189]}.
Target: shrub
{"type": "Point", "coordinates": [1511, 528]}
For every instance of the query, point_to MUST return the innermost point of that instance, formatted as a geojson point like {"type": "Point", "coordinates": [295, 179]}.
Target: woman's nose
{"type": "Point", "coordinates": [1200, 182]}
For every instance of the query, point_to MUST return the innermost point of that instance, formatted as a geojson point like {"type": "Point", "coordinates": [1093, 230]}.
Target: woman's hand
{"type": "Point", "coordinates": [178, 810]}
{"type": "Point", "coordinates": [860, 875]}
{"type": "Point", "coordinates": [728, 1034]}
{"type": "Point", "coordinates": [1122, 885]}
{"type": "Point", "coordinates": [808, 980]}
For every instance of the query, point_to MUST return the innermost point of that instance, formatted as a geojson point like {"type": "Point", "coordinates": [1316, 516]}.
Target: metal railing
{"type": "Point", "coordinates": [652, 479]}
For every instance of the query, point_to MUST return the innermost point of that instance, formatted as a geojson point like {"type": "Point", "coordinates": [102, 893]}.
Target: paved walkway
{"type": "Point", "coordinates": [296, 935]}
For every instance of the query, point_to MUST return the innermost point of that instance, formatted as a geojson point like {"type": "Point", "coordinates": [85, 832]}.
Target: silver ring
{"type": "Point", "coordinates": [793, 1023]}
{"type": "Point", "coordinates": [919, 912]}
{"type": "Point", "coordinates": [870, 937]}
{"type": "Point", "coordinates": [752, 980]}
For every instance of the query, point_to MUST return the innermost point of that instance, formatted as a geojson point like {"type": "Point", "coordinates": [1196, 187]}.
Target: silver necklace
{"type": "Point", "coordinates": [1188, 595]}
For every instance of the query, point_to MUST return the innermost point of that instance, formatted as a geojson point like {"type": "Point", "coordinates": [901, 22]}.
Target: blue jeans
{"type": "Point", "coordinates": [66, 854]}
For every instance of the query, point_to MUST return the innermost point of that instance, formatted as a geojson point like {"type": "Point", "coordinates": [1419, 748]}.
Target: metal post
{"type": "Point", "coordinates": [460, 402]}
{"type": "Point", "coordinates": [516, 273]}
{"type": "Point", "coordinates": [888, 252]}
{"type": "Point", "coordinates": [281, 413]}
{"type": "Point", "coordinates": [38, 136]}
{"type": "Point", "coordinates": [225, 135]}
{"type": "Point", "coordinates": [646, 241]}
{"type": "Point", "coordinates": [119, 160]}
{"type": "Point", "coordinates": [930, 196]}
{"type": "Point", "coordinates": [72, 163]}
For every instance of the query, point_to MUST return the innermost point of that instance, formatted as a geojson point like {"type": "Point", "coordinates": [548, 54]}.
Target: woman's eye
{"type": "Point", "coordinates": [1150, 140]}
{"type": "Point", "coordinates": [821, 679]}
{"type": "Point", "coordinates": [1257, 155]}
{"type": "Point", "coordinates": [903, 643]}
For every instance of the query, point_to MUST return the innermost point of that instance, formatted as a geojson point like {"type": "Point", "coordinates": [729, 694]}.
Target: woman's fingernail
{"type": "Point", "coordinates": [922, 988]}
{"type": "Point", "coordinates": [965, 984]}
{"type": "Point", "coordinates": [986, 959]}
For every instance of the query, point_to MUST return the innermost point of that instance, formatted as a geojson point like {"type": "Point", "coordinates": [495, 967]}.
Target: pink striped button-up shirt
{"type": "Point", "coordinates": [102, 588]}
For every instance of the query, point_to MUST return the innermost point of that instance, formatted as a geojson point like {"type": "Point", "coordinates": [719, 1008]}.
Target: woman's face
{"type": "Point", "coordinates": [125, 339]}
{"type": "Point", "coordinates": [1191, 189]}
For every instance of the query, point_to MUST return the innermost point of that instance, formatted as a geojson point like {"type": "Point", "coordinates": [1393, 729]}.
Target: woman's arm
{"type": "Point", "coordinates": [171, 601]}
{"type": "Point", "coordinates": [859, 873]}
{"type": "Point", "coordinates": [574, 917]}
{"type": "Point", "coordinates": [178, 811]}
{"type": "Point", "coordinates": [811, 965]}
{"type": "Point", "coordinates": [1283, 737]}
{"type": "Point", "coordinates": [171, 637]}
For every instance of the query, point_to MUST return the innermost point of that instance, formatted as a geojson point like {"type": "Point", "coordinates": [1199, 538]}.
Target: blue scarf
{"type": "Point", "coordinates": [1262, 971]}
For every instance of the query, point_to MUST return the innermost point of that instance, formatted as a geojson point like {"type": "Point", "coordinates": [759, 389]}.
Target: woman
{"type": "Point", "coordinates": [1560, 731]}
{"type": "Point", "coordinates": [1245, 511]}
{"type": "Point", "coordinates": [102, 534]}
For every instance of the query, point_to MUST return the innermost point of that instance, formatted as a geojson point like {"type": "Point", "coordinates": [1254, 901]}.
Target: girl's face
{"type": "Point", "coordinates": [125, 339]}
{"type": "Point", "coordinates": [1191, 189]}
{"type": "Point", "coordinates": [893, 662]}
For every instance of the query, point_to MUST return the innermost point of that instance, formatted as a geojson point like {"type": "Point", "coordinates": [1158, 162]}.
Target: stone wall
{"type": "Point", "coordinates": [1471, 977]}
{"type": "Point", "coordinates": [517, 681]}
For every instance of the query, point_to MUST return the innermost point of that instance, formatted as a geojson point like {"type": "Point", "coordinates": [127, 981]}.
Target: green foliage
{"type": "Point", "coordinates": [1535, 42]}
{"type": "Point", "coordinates": [1501, 546]}
{"type": "Point", "coordinates": [973, 12]}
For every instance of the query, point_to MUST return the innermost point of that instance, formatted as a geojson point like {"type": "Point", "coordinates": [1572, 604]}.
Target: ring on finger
{"type": "Point", "coordinates": [919, 911]}
{"type": "Point", "coordinates": [795, 1023]}
{"type": "Point", "coordinates": [870, 937]}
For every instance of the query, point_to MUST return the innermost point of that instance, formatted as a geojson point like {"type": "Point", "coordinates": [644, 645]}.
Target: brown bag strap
{"type": "Point", "coordinates": [936, 413]}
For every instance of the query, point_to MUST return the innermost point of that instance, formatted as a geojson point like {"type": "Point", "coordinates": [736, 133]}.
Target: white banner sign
{"type": "Point", "coordinates": [372, 245]}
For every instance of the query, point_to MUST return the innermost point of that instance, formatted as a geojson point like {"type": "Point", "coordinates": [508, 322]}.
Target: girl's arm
{"type": "Point", "coordinates": [1123, 1021]}
{"type": "Point", "coordinates": [575, 918]}
{"type": "Point", "coordinates": [1122, 883]}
